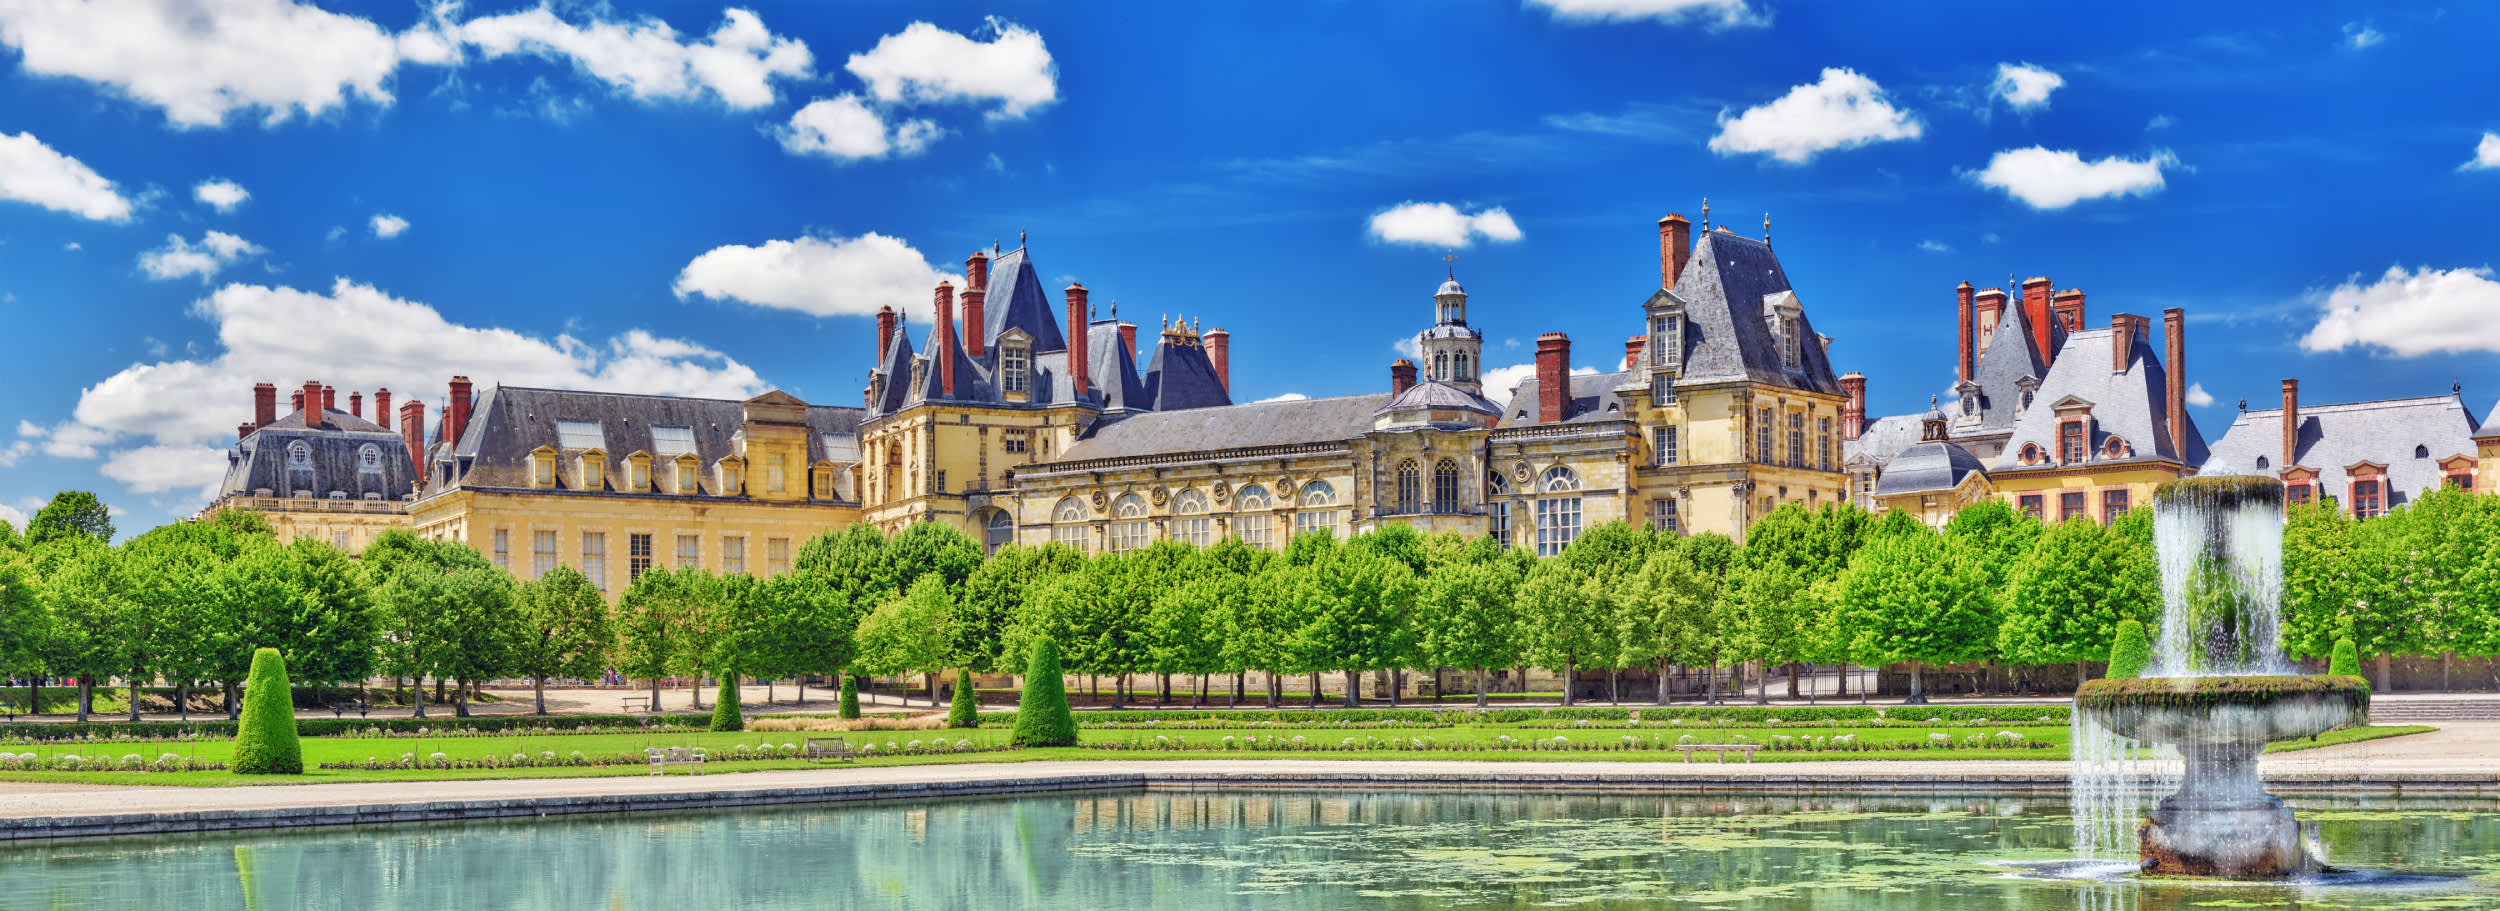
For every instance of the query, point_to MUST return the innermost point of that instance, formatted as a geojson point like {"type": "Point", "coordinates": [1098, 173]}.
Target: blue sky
{"type": "Point", "coordinates": [708, 199]}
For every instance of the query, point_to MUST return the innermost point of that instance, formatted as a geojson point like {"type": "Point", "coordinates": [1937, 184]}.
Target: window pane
{"type": "Point", "coordinates": [668, 442]}
{"type": "Point", "coordinates": [689, 551]}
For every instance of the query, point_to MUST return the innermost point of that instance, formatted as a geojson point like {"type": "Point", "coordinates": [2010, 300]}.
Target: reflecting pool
{"type": "Point", "coordinates": [1203, 851]}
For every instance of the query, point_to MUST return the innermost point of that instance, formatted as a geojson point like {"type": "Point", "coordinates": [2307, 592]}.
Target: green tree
{"type": "Point", "coordinates": [2067, 595]}
{"type": "Point", "coordinates": [1467, 618]}
{"type": "Point", "coordinates": [2128, 653]}
{"type": "Point", "coordinates": [966, 710]}
{"type": "Point", "coordinates": [10, 540]}
{"type": "Point", "coordinates": [324, 625]}
{"type": "Point", "coordinates": [564, 630]}
{"type": "Point", "coordinates": [2347, 660]}
{"type": "Point", "coordinates": [1676, 611]}
{"type": "Point", "coordinates": [800, 627]}
{"type": "Point", "coordinates": [2337, 584]}
{"type": "Point", "coordinates": [850, 695]}
{"type": "Point", "coordinates": [84, 597]}
{"type": "Point", "coordinates": [1043, 718]}
{"type": "Point", "coordinates": [1358, 603]}
{"type": "Point", "coordinates": [1184, 632]}
{"type": "Point", "coordinates": [24, 624]}
{"type": "Point", "coordinates": [654, 635]}
{"type": "Point", "coordinates": [981, 627]}
{"type": "Point", "coordinates": [266, 742]}
{"type": "Point", "coordinates": [901, 637]}
{"type": "Point", "coordinates": [1919, 600]}
{"type": "Point", "coordinates": [71, 514]}
{"type": "Point", "coordinates": [169, 580]}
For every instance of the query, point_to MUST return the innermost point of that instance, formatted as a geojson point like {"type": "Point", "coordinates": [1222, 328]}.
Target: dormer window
{"type": "Point", "coordinates": [1970, 405]}
{"type": "Point", "coordinates": [1014, 368]}
{"type": "Point", "coordinates": [733, 477]}
{"type": "Point", "coordinates": [1666, 341]}
{"type": "Point", "coordinates": [2024, 403]}
{"type": "Point", "coordinates": [776, 474]}
{"type": "Point", "coordinates": [369, 459]}
{"type": "Point", "coordinates": [1792, 344]}
{"type": "Point", "coordinates": [543, 468]}
{"type": "Point", "coordinates": [593, 469]}
{"type": "Point", "coordinates": [689, 473]}
{"type": "Point", "coordinates": [638, 472]}
{"type": "Point", "coordinates": [820, 480]}
{"type": "Point", "coordinates": [299, 456]}
{"type": "Point", "coordinates": [2070, 442]}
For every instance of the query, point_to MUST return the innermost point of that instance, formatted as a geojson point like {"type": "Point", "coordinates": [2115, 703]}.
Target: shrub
{"type": "Point", "coordinates": [726, 715]}
{"type": "Point", "coordinates": [850, 695]}
{"type": "Point", "coordinates": [1042, 715]}
{"type": "Point", "coordinates": [966, 712]}
{"type": "Point", "coordinates": [265, 742]}
{"type": "Point", "coordinates": [2346, 659]}
{"type": "Point", "coordinates": [2128, 653]}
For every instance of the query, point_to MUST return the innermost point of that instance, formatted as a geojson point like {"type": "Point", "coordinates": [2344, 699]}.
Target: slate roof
{"type": "Point", "coordinates": [2002, 368]}
{"type": "Point", "coordinates": [2491, 425]}
{"type": "Point", "coordinates": [334, 460]}
{"type": "Point", "coordinates": [1439, 395]}
{"type": "Point", "coordinates": [2130, 404]}
{"type": "Point", "coordinates": [1181, 376]}
{"type": "Point", "coordinates": [1017, 301]}
{"type": "Point", "coordinates": [1723, 288]}
{"type": "Point", "coordinates": [510, 422]}
{"type": "Point", "coordinates": [1112, 369]}
{"type": "Point", "coordinates": [1258, 424]}
{"type": "Point", "coordinates": [1593, 398]}
{"type": "Point", "coordinates": [2334, 437]}
{"type": "Point", "coordinates": [1880, 441]}
{"type": "Point", "coordinates": [1924, 467]}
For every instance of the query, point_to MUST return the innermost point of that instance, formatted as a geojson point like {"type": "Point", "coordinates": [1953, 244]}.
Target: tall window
{"type": "Point", "coordinates": [1465, 375]}
{"type": "Point", "coordinates": [1662, 446]}
{"type": "Point", "coordinates": [542, 553]}
{"type": "Point", "coordinates": [1312, 517]}
{"type": "Point", "coordinates": [2113, 504]}
{"type": "Point", "coordinates": [339, 540]}
{"type": "Point", "coordinates": [1445, 487]}
{"type": "Point", "coordinates": [2070, 442]}
{"type": "Point", "coordinates": [637, 556]}
{"type": "Point", "coordinates": [1440, 365]}
{"type": "Point", "coordinates": [1666, 340]}
{"type": "Point", "coordinates": [1012, 368]}
{"type": "Point", "coordinates": [595, 558]}
{"type": "Point", "coordinates": [1410, 488]}
{"type": "Point", "coordinates": [1068, 523]}
{"type": "Point", "coordinates": [1557, 511]}
{"type": "Point", "coordinates": [1251, 519]}
{"type": "Point", "coordinates": [2297, 493]}
{"type": "Point", "coordinates": [1190, 523]}
{"type": "Point", "coordinates": [638, 475]}
{"type": "Point", "coordinates": [733, 555]}
{"type": "Point", "coordinates": [689, 551]}
{"type": "Point", "coordinates": [1792, 343]}
{"type": "Point", "coordinates": [1014, 441]}
{"type": "Point", "coordinates": [1796, 439]}
{"type": "Point", "coordinates": [1823, 443]}
{"type": "Point", "coordinates": [686, 478]}
{"type": "Point", "coordinates": [1663, 518]}
{"type": "Point", "coordinates": [2366, 501]}
{"type": "Point", "coordinates": [2029, 505]}
{"type": "Point", "coordinates": [776, 555]}
{"type": "Point", "coordinates": [1128, 526]}
{"type": "Point", "coordinates": [2071, 505]}
{"type": "Point", "coordinates": [776, 473]}
{"type": "Point", "coordinates": [503, 549]}
{"type": "Point", "coordinates": [1762, 435]}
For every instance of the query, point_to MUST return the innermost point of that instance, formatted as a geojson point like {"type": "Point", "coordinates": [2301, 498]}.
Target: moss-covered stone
{"type": "Point", "coordinates": [2222, 490]}
{"type": "Point", "coordinates": [2207, 692]}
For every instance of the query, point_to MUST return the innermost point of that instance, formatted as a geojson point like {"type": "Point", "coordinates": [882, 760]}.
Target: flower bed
{"type": "Point", "coordinates": [549, 759]}
{"type": "Point", "coordinates": [147, 731]}
{"type": "Point", "coordinates": [1839, 743]}
{"type": "Point", "coordinates": [127, 762]}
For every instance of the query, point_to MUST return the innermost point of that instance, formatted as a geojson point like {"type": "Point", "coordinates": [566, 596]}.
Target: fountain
{"type": "Point", "coordinates": [2218, 690]}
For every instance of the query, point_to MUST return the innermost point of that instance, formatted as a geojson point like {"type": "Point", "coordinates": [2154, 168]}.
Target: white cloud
{"type": "Point", "coordinates": [220, 194]}
{"type": "Point", "coordinates": [2024, 86]}
{"type": "Point", "coordinates": [2197, 396]}
{"type": "Point", "coordinates": [1500, 382]}
{"type": "Point", "coordinates": [17, 515]}
{"type": "Point", "coordinates": [1440, 224]}
{"type": "Point", "coordinates": [1409, 348]}
{"type": "Point", "coordinates": [2160, 122]}
{"type": "Point", "coordinates": [2045, 179]}
{"type": "Point", "coordinates": [2486, 154]}
{"type": "Point", "coordinates": [1712, 13]}
{"type": "Point", "coordinates": [821, 276]}
{"type": "Point", "coordinates": [11, 454]}
{"type": "Point", "coordinates": [647, 61]}
{"type": "Point", "coordinates": [354, 337]}
{"type": "Point", "coordinates": [72, 247]}
{"type": "Point", "coordinates": [32, 172]}
{"type": "Point", "coordinates": [927, 64]}
{"type": "Point", "coordinates": [181, 259]}
{"type": "Point", "coordinates": [1287, 397]}
{"type": "Point", "coordinates": [2429, 311]}
{"type": "Point", "coordinates": [1842, 110]}
{"type": "Point", "coordinates": [847, 129]}
{"type": "Point", "coordinates": [387, 226]}
{"type": "Point", "coordinates": [1935, 246]}
{"type": "Point", "coordinates": [2361, 35]}
{"type": "Point", "coordinates": [26, 428]}
{"type": "Point", "coordinates": [202, 60]}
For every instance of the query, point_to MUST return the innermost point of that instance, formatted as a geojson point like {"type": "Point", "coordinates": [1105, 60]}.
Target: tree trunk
{"type": "Point", "coordinates": [655, 696]}
{"type": "Point", "coordinates": [1570, 676]}
{"type": "Point", "coordinates": [1792, 680]}
{"type": "Point", "coordinates": [801, 680]}
{"type": "Point", "coordinates": [1315, 689]}
{"type": "Point", "coordinates": [1918, 684]}
{"type": "Point", "coordinates": [1163, 689]}
{"type": "Point", "coordinates": [234, 702]}
{"type": "Point", "coordinates": [694, 690]}
{"type": "Point", "coordinates": [418, 688]}
{"type": "Point", "coordinates": [182, 698]}
{"type": "Point", "coordinates": [1840, 673]}
{"type": "Point", "coordinates": [2384, 675]}
{"type": "Point", "coordinates": [1397, 681]}
{"type": "Point", "coordinates": [460, 709]}
{"type": "Point", "coordinates": [1201, 701]}
{"type": "Point", "coordinates": [1275, 690]}
{"type": "Point", "coordinates": [438, 691]}
{"type": "Point", "coordinates": [1614, 685]}
{"type": "Point", "coordinates": [1662, 681]}
{"type": "Point", "coordinates": [1353, 689]}
{"type": "Point", "coordinates": [86, 697]}
{"type": "Point", "coordinates": [1240, 682]}
{"type": "Point", "coordinates": [34, 696]}
{"type": "Point", "coordinates": [2446, 659]}
{"type": "Point", "coordinates": [134, 693]}
{"type": "Point", "coordinates": [1865, 689]}
{"type": "Point", "coordinates": [1436, 685]}
{"type": "Point", "coordinates": [1814, 682]}
{"type": "Point", "coordinates": [768, 692]}
{"type": "Point", "coordinates": [1480, 683]}
{"type": "Point", "coordinates": [1762, 682]}
{"type": "Point", "coordinates": [1119, 691]}
{"type": "Point", "coordinates": [1713, 698]}
{"type": "Point", "coordinates": [931, 677]}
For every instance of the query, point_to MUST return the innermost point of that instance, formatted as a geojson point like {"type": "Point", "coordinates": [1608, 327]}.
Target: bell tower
{"type": "Point", "coordinates": [1453, 352]}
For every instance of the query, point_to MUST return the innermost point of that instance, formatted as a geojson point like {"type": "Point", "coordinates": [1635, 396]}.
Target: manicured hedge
{"type": "Point", "coordinates": [1729, 716]}
{"type": "Point", "coordinates": [265, 743]}
{"type": "Point", "coordinates": [333, 727]}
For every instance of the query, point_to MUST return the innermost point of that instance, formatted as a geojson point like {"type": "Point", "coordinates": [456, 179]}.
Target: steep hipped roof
{"type": "Point", "coordinates": [2008, 361]}
{"type": "Point", "coordinates": [1724, 288]}
{"type": "Point", "coordinates": [2334, 437]}
{"type": "Point", "coordinates": [1181, 376]}
{"type": "Point", "coordinates": [1016, 301]}
{"type": "Point", "coordinates": [1258, 424]}
{"type": "Point", "coordinates": [1112, 369]}
{"type": "Point", "coordinates": [510, 422]}
{"type": "Point", "coordinates": [895, 369]}
{"type": "Point", "coordinates": [1593, 398]}
{"type": "Point", "coordinates": [2131, 405]}
{"type": "Point", "coordinates": [1443, 396]}
{"type": "Point", "coordinates": [1878, 442]}
{"type": "Point", "coordinates": [348, 455]}
{"type": "Point", "coordinates": [1927, 467]}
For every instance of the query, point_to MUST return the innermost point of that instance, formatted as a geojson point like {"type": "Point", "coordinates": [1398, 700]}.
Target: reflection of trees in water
{"type": "Point", "coordinates": [1204, 851]}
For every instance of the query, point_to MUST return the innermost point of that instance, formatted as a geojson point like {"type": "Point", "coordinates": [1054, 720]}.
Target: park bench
{"type": "Point", "coordinates": [341, 708]}
{"type": "Point", "coordinates": [663, 757]}
{"type": "Point", "coordinates": [821, 748]}
{"type": "Point", "coordinates": [1719, 748]}
{"type": "Point", "coordinates": [637, 703]}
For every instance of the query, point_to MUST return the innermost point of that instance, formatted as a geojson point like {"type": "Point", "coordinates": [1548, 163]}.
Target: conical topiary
{"type": "Point", "coordinates": [726, 715]}
{"type": "Point", "coordinates": [966, 712]}
{"type": "Point", "coordinates": [1042, 715]}
{"type": "Point", "coordinates": [2346, 661]}
{"type": "Point", "coordinates": [2128, 653]}
{"type": "Point", "coordinates": [850, 696]}
{"type": "Point", "coordinates": [265, 743]}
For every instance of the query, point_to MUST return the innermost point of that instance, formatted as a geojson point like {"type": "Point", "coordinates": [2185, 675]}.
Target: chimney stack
{"type": "Point", "coordinates": [1553, 377]}
{"type": "Point", "coordinates": [1853, 414]}
{"type": "Point", "coordinates": [1675, 246]}
{"type": "Point", "coordinates": [946, 338]}
{"type": "Point", "coordinates": [329, 399]}
{"type": "Point", "coordinates": [1632, 351]}
{"type": "Point", "coordinates": [976, 295]}
{"type": "Point", "coordinates": [412, 429]}
{"type": "Point", "coordinates": [312, 404]}
{"type": "Point", "coordinates": [2125, 330]}
{"type": "Point", "coordinates": [382, 407]}
{"type": "Point", "coordinates": [1401, 376]}
{"type": "Point", "coordinates": [456, 412]}
{"type": "Point", "coordinates": [2036, 309]}
{"type": "Point", "coordinates": [1968, 352]}
{"type": "Point", "coordinates": [295, 400]}
{"type": "Point", "coordinates": [2291, 424]}
{"type": "Point", "coordinates": [2069, 307]}
{"type": "Point", "coordinates": [1128, 334]}
{"type": "Point", "coordinates": [264, 404]}
{"type": "Point", "coordinates": [1219, 352]}
{"type": "Point", "coordinates": [1080, 340]}
{"type": "Point", "coordinates": [885, 332]}
{"type": "Point", "coordinates": [243, 430]}
{"type": "Point", "coordinates": [356, 404]}
{"type": "Point", "coordinates": [1991, 302]}
{"type": "Point", "coordinates": [2174, 336]}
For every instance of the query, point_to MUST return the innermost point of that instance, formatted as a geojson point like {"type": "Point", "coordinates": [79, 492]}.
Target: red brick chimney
{"type": "Point", "coordinates": [311, 404]}
{"type": "Point", "coordinates": [2036, 309]}
{"type": "Point", "coordinates": [2069, 307]}
{"type": "Point", "coordinates": [264, 404]}
{"type": "Point", "coordinates": [243, 430]}
{"type": "Point", "coordinates": [1853, 413]}
{"type": "Point", "coordinates": [1128, 334]}
{"type": "Point", "coordinates": [2174, 336]}
{"type": "Point", "coordinates": [946, 337]}
{"type": "Point", "coordinates": [1080, 340]}
{"type": "Point", "coordinates": [1220, 353]}
{"type": "Point", "coordinates": [2125, 329]}
{"type": "Point", "coordinates": [356, 404]}
{"type": "Point", "coordinates": [1675, 246]}
{"type": "Point", "coordinates": [1553, 377]}
{"type": "Point", "coordinates": [885, 332]}
{"type": "Point", "coordinates": [1968, 352]}
{"type": "Point", "coordinates": [1632, 351]}
{"type": "Point", "coordinates": [295, 400]}
{"type": "Point", "coordinates": [329, 399]}
{"type": "Point", "coordinates": [2291, 423]}
{"type": "Point", "coordinates": [456, 412]}
{"type": "Point", "coordinates": [1991, 302]}
{"type": "Point", "coordinates": [976, 294]}
{"type": "Point", "coordinates": [382, 407]}
{"type": "Point", "coordinates": [412, 429]}
{"type": "Point", "coordinates": [1401, 376]}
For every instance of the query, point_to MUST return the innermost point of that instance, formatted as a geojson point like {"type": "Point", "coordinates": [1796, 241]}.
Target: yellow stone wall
{"type": "Point", "coordinates": [473, 517]}
{"type": "Point", "coordinates": [1159, 482]}
{"type": "Point", "coordinates": [2487, 465]}
{"type": "Point", "coordinates": [1937, 507]}
{"type": "Point", "coordinates": [2048, 483]}
{"type": "Point", "coordinates": [346, 524]}
{"type": "Point", "coordinates": [903, 454]}
{"type": "Point", "coordinates": [1715, 483]}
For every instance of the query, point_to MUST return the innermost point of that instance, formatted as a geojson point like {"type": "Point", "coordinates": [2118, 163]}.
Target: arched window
{"type": "Point", "coordinates": [998, 531]}
{"type": "Point", "coordinates": [1557, 513]}
{"type": "Point", "coordinates": [1068, 523]}
{"type": "Point", "coordinates": [1251, 521]}
{"type": "Point", "coordinates": [369, 458]}
{"type": "Point", "coordinates": [2261, 463]}
{"type": "Point", "coordinates": [1465, 375]}
{"type": "Point", "coordinates": [1318, 493]}
{"type": "Point", "coordinates": [1559, 478]}
{"type": "Point", "coordinates": [1128, 530]}
{"type": "Point", "coordinates": [1440, 365]}
{"type": "Point", "coordinates": [2421, 452]}
{"type": "Point", "coordinates": [298, 455]}
{"type": "Point", "coordinates": [1190, 523]}
{"type": "Point", "coordinates": [1310, 519]}
{"type": "Point", "coordinates": [1410, 488]}
{"type": "Point", "coordinates": [1445, 487]}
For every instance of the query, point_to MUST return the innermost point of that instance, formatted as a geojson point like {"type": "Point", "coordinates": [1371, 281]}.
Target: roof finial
{"type": "Point", "coordinates": [1449, 261]}
{"type": "Point", "coordinates": [1766, 229]}
{"type": "Point", "coordinates": [1019, 237]}
{"type": "Point", "coordinates": [1705, 215]}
